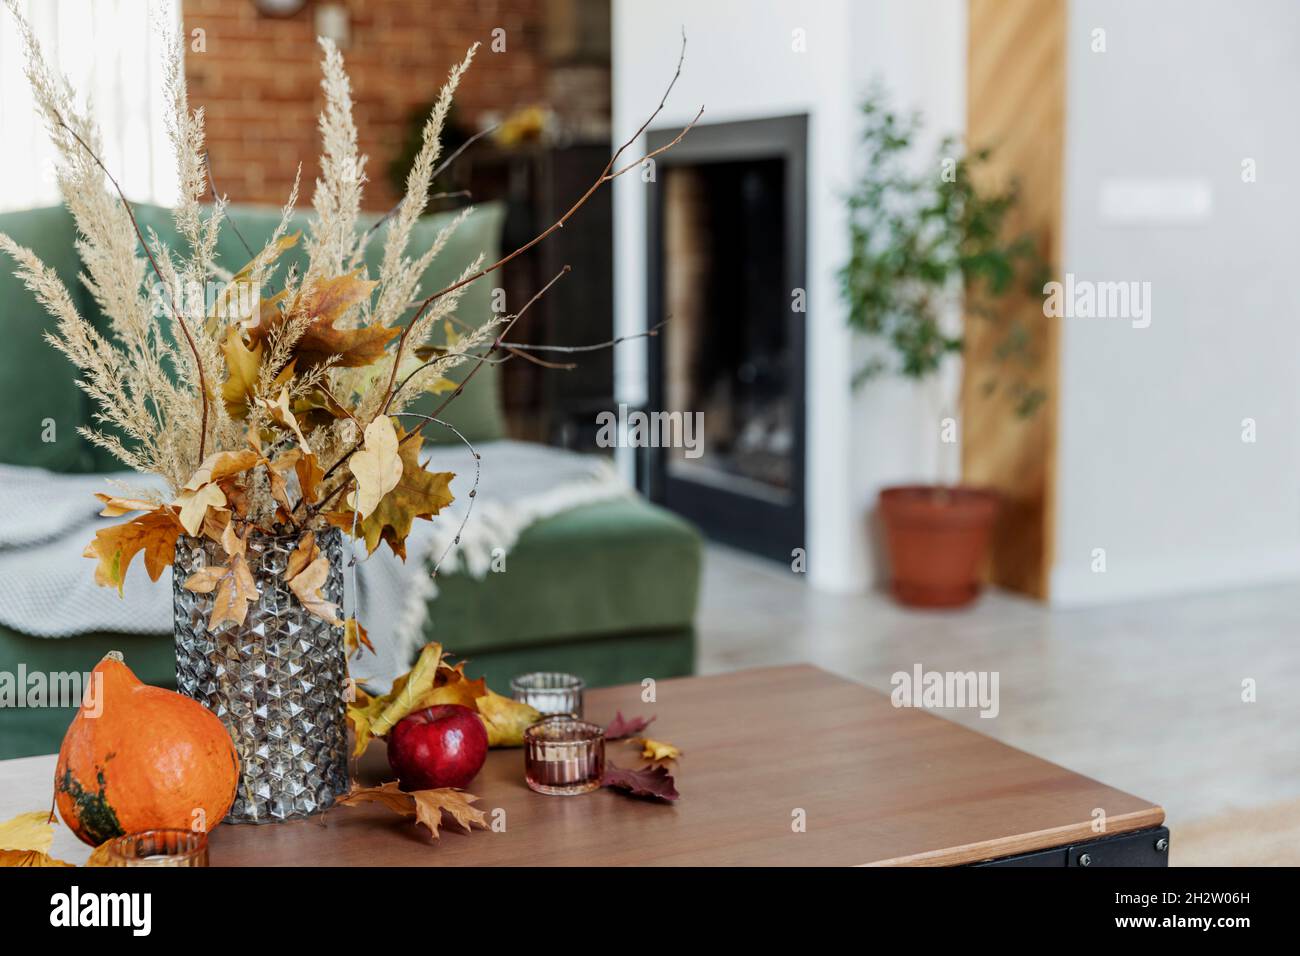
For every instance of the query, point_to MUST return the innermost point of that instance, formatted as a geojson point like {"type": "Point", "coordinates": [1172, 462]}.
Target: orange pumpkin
{"type": "Point", "coordinates": [137, 757]}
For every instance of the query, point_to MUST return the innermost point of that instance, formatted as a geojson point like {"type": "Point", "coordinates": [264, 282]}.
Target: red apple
{"type": "Point", "coordinates": [441, 746]}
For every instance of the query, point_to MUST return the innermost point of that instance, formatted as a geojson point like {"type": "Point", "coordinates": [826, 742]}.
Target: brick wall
{"type": "Point", "coordinates": [259, 80]}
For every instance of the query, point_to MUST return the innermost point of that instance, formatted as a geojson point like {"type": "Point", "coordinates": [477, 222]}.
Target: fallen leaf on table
{"type": "Point", "coordinates": [25, 841]}
{"type": "Point", "coordinates": [377, 466]}
{"type": "Point", "coordinates": [656, 750]}
{"type": "Point", "coordinates": [431, 681]}
{"type": "Point", "coordinates": [621, 727]}
{"type": "Point", "coordinates": [99, 855]}
{"type": "Point", "coordinates": [506, 719]}
{"type": "Point", "coordinates": [654, 782]}
{"type": "Point", "coordinates": [427, 806]}
{"type": "Point", "coordinates": [29, 858]}
{"type": "Point", "coordinates": [27, 831]}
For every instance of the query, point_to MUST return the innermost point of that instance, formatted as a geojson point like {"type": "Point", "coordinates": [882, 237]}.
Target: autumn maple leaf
{"type": "Point", "coordinates": [655, 782]}
{"type": "Point", "coordinates": [621, 727]}
{"type": "Point", "coordinates": [417, 494]}
{"type": "Point", "coordinates": [154, 532]}
{"type": "Point", "coordinates": [234, 582]}
{"type": "Point", "coordinates": [326, 302]}
{"type": "Point", "coordinates": [429, 807]}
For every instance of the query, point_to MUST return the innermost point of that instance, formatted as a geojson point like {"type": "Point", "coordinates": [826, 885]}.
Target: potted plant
{"type": "Point", "coordinates": [927, 245]}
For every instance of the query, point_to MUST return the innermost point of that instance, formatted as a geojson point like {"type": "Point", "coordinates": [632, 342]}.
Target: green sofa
{"type": "Point", "coordinates": [607, 590]}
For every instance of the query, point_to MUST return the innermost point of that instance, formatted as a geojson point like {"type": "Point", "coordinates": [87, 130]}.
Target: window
{"type": "Point", "coordinates": [111, 52]}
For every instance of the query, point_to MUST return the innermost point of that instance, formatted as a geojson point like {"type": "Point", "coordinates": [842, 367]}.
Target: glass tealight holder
{"type": "Point", "coordinates": [550, 692]}
{"type": "Point", "coordinates": [564, 756]}
{"type": "Point", "coordinates": [159, 848]}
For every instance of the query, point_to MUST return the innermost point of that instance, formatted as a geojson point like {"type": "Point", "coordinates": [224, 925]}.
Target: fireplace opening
{"type": "Point", "coordinates": [726, 265]}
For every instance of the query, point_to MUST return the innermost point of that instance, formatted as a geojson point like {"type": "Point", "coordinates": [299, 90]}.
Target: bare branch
{"type": "Point", "coordinates": [648, 333]}
{"type": "Point", "coordinates": [212, 184]}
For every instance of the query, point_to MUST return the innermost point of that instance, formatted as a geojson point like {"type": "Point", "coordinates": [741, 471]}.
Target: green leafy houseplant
{"type": "Point", "coordinates": [923, 241]}
{"type": "Point", "coordinates": [927, 244]}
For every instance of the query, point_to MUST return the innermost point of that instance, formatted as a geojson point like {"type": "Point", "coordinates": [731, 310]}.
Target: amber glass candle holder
{"type": "Point", "coordinates": [564, 756]}
{"type": "Point", "coordinates": [550, 692]}
{"type": "Point", "coordinates": [159, 848]}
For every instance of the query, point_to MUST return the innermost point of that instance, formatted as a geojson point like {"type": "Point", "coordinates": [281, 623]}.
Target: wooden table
{"type": "Point", "coordinates": [877, 785]}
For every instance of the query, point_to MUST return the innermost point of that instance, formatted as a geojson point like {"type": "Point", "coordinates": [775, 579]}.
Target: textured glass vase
{"type": "Point", "coordinates": [277, 681]}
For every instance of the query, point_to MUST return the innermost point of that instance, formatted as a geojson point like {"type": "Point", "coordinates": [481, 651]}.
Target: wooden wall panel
{"type": "Point", "coordinates": [1016, 104]}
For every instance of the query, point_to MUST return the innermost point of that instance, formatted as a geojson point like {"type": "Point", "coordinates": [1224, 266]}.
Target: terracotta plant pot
{"type": "Point", "coordinates": [938, 538]}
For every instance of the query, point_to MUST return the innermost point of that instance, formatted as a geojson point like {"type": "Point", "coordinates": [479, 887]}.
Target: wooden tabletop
{"type": "Point", "coordinates": [877, 785]}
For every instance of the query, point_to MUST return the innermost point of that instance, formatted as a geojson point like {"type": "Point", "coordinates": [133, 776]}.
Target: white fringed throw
{"type": "Point", "coordinates": [47, 589]}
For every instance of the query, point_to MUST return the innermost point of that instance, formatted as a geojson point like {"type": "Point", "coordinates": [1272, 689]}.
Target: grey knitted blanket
{"type": "Point", "coordinates": [47, 588]}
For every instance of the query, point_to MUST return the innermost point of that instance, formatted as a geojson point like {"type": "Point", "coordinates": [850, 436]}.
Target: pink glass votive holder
{"type": "Point", "coordinates": [564, 756]}
{"type": "Point", "coordinates": [159, 848]}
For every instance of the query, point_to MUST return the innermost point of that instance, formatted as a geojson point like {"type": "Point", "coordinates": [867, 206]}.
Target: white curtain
{"type": "Point", "coordinates": [112, 55]}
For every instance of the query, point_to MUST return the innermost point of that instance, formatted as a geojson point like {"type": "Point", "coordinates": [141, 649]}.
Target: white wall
{"type": "Point", "coordinates": [1151, 463]}
{"type": "Point", "coordinates": [741, 64]}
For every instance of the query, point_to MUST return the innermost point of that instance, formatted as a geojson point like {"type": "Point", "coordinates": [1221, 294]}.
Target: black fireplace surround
{"type": "Point", "coordinates": [726, 247]}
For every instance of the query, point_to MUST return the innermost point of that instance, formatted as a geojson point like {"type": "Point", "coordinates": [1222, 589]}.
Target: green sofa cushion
{"type": "Point", "coordinates": [615, 566]}
{"type": "Point", "coordinates": [607, 591]}
{"type": "Point", "coordinates": [38, 398]}
{"type": "Point", "coordinates": [38, 384]}
{"type": "Point", "coordinates": [613, 659]}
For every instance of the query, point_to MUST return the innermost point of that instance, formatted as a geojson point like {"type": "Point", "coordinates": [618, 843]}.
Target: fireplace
{"type": "Point", "coordinates": [726, 247]}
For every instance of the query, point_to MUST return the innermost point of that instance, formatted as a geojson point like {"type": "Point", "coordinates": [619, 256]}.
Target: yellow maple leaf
{"type": "Point", "coordinates": [376, 466]}
{"type": "Point", "coordinates": [27, 831]}
{"type": "Point", "coordinates": [417, 494]}
{"type": "Point", "coordinates": [656, 750]}
{"type": "Point", "coordinates": [154, 533]}
{"type": "Point", "coordinates": [506, 719]}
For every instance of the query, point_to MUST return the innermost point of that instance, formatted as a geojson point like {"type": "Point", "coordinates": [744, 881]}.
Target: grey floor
{"type": "Point", "coordinates": [1146, 697]}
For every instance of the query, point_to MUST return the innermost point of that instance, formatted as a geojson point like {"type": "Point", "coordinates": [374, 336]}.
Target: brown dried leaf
{"type": "Point", "coordinates": [655, 782]}
{"type": "Point", "coordinates": [194, 505]}
{"type": "Point", "coordinates": [303, 555]}
{"type": "Point", "coordinates": [306, 586]}
{"type": "Point", "coordinates": [621, 727]}
{"type": "Point", "coordinates": [222, 464]}
{"type": "Point", "coordinates": [427, 806]}
{"type": "Point", "coordinates": [376, 466]}
{"type": "Point", "coordinates": [155, 533]}
{"type": "Point", "coordinates": [355, 637]}
{"type": "Point", "coordinates": [418, 494]}
{"type": "Point", "coordinates": [282, 415]}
